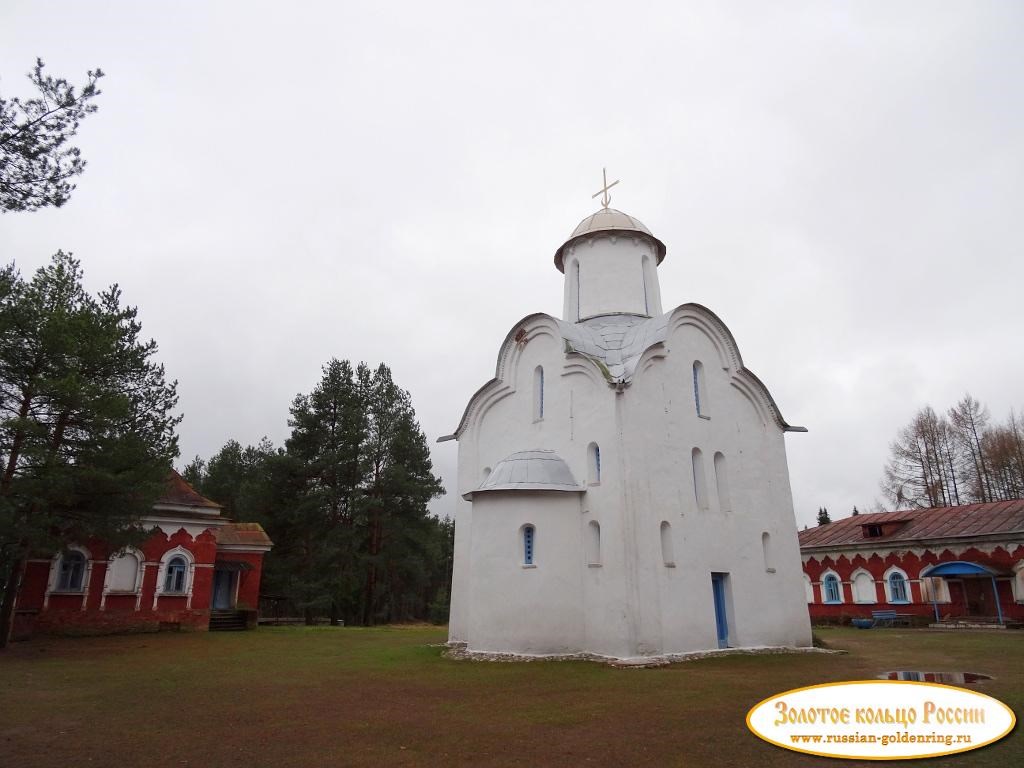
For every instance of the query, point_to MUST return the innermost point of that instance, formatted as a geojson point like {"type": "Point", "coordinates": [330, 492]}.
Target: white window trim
{"type": "Point", "coordinates": [139, 575]}
{"type": "Point", "coordinates": [853, 587]}
{"type": "Point", "coordinates": [808, 589]}
{"type": "Point", "coordinates": [51, 583]}
{"type": "Point", "coordinates": [161, 573]}
{"type": "Point", "coordinates": [888, 588]}
{"type": "Point", "coordinates": [842, 597]}
{"type": "Point", "coordinates": [1016, 584]}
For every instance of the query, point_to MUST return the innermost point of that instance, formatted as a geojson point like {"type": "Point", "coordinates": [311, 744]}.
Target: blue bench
{"type": "Point", "coordinates": [884, 618]}
{"type": "Point", "coordinates": [891, 619]}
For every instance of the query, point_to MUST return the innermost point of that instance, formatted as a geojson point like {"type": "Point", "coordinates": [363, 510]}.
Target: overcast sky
{"type": "Point", "coordinates": [274, 184]}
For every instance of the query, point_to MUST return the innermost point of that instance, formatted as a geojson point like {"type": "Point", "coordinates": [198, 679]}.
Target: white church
{"type": "Point", "coordinates": [623, 478]}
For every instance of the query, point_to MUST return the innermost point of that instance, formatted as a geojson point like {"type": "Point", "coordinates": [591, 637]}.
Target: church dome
{"type": "Point", "coordinates": [608, 220]}
{"type": "Point", "coordinates": [530, 471]}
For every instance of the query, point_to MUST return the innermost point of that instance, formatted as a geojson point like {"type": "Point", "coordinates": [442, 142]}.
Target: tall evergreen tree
{"type": "Point", "coordinates": [345, 502]}
{"type": "Point", "coordinates": [36, 164]}
{"type": "Point", "coordinates": [398, 483]}
{"type": "Point", "coordinates": [823, 518]}
{"type": "Point", "coordinates": [86, 425]}
{"type": "Point", "coordinates": [329, 432]}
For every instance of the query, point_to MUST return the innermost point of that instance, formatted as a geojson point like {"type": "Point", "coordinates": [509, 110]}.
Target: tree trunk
{"type": "Point", "coordinates": [371, 571]}
{"type": "Point", "coordinates": [11, 595]}
{"type": "Point", "coordinates": [19, 439]}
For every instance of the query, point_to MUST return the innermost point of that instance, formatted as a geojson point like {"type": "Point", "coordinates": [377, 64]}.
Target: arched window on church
{"type": "Point", "coordinates": [668, 550]}
{"type": "Point", "coordinates": [593, 464]}
{"type": "Point", "coordinates": [593, 543]}
{"type": "Point", "coordinates": [722, 482]}
{"type": "Point", "coordinates": [700, 488]}
{"type": "Point", "coordinates": [700, 395]}
{"type": "Point", "coordinates": [538, 393]}
{"type": "Point", "coordinates": [529, 535]}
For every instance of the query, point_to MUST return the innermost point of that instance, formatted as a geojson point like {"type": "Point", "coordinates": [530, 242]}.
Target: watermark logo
{"type": "Point", "coordinates": [881, 720]}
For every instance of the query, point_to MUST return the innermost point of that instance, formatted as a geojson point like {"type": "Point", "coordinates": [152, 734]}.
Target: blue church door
{"type": "Point", "coordinates": [721, 616]}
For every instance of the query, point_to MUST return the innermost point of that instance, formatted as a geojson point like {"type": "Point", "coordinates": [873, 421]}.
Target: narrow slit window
{"type": "Point", "coordinates": [528, 543]}
{"type": "Point", "coordinates": [594, 464]}
{"type": "Point", "coordinates": [576, 285]}
{"type": "Point", "coordinates": [644, 268]}
{"type": "Point", "coordinates": [766, 551]}
{"type": "Point", "coordinates": [668, 554]}
{"type": "Point", "coordinates": [538, 393]}
{"type": "Point", "coordinates": [722, 482]}
{"type": "Point", "coordinates": [699, 390]}
{"type": "Point", "coordinates": [700, 489]}
{"type": "Point", "coordinates": [593, 543]}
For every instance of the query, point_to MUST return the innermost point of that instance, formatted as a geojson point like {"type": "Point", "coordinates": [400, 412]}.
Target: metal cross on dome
{"type": "Point", "coordinates": [605, 198]}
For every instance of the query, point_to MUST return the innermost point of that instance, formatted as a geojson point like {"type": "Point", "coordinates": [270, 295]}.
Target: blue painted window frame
{"type": "Point", "coordinates": [529, 534]}
{"type": "Point", "coordinates": [831, 589]}
{"type": "Point", "coordinates": [898, 592]}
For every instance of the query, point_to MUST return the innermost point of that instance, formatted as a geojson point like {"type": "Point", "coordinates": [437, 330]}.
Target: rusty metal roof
{"type": "Point", "coordinates": [178, 491]}
{"type": "Point", "coordinates": [242, 534]}
{"type": "Point", "coordinates": [935, 523]}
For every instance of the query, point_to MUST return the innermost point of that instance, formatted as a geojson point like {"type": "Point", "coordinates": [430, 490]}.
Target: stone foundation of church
{"type": "Point", "coordinates": [459, 652]}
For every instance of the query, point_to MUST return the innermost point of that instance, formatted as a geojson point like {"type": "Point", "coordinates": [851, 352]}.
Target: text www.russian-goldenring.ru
{"type": "Point", "coordinates": [885, 739]}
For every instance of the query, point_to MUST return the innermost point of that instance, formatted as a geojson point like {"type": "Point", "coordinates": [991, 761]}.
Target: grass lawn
{"type": "Point", "coordinates": [336, 697]}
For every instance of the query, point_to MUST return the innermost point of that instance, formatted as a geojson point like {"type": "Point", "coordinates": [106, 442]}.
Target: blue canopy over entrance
{"type": "Point", "coordinates": [958, 568]}
{"type": "Point", "coordinates": [962, 568]}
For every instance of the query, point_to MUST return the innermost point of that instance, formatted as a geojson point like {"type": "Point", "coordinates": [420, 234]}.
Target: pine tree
{"type": "Point", "coordinates": [823, 518]}
{"type": "Point", "coordinates": [35, 163]}
{"type": "Point", "coordinates": [86, 425]}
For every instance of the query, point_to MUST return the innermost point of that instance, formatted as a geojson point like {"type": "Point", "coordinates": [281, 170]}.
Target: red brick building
{"type": "Point", "coordinates": [198, 570]}
{"type": "Point", "coordinates": [962, 562]}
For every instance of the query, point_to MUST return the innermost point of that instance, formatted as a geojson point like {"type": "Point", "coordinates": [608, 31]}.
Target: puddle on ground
{"type": "Point", "coordinates": [950, 678]}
